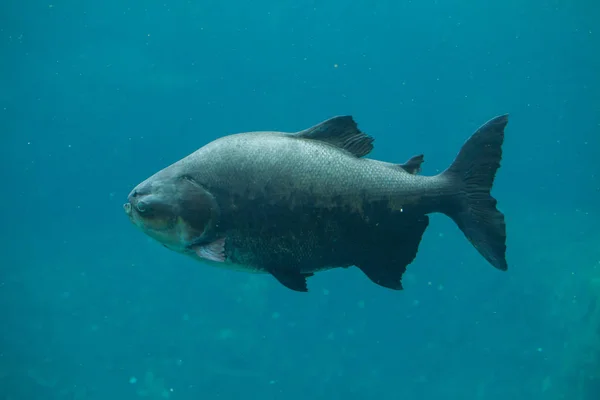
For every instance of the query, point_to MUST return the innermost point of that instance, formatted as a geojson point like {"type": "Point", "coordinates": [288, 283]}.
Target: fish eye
{"type": "Point", "coordinates": [142, 206]}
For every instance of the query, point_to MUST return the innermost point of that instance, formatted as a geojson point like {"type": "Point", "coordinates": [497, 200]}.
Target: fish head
{"type": "Point", "coordinates": [173, 209]}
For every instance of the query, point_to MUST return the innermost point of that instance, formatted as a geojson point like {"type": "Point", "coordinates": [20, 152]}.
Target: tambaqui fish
{"type": "Point", "coordinates": [292, 204]}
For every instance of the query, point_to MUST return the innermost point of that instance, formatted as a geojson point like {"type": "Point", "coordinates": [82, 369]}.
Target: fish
{"type": "Point", "coordinates": [291, 204]}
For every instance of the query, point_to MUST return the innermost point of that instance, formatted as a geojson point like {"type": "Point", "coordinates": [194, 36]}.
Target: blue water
{"type": "Point", "coordinates": [96, 96]}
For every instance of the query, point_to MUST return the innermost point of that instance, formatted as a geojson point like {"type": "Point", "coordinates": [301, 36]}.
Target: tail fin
{"type": "Point", "coordinates": [474, 170]}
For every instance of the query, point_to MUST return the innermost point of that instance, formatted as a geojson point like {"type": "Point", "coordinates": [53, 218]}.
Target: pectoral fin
{"type": "Point", "coordinates": [214, 251]}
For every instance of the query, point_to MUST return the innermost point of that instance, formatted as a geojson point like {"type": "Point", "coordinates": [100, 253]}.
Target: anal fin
{"type": "Point", "coordinates": [390, 251]}
{"type": "Point", "coordinates": [293, 280]}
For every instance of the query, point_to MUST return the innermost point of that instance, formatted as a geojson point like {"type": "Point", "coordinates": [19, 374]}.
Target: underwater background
{"type": "Point", "coordinates": [95, 96]}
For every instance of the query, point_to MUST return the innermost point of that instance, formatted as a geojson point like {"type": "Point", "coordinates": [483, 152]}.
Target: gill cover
{"type": "Point", "coordinates": [197, 212]}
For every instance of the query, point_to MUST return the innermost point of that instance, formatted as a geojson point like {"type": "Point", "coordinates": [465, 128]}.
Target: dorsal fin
{"type": "Point", "coordinates": [341, 132]}
{"type": "Point", "coordinates": [413, 165]}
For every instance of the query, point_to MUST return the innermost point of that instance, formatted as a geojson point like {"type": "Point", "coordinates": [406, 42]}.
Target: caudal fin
{"type": "Point", "coordinates": [473, 172]}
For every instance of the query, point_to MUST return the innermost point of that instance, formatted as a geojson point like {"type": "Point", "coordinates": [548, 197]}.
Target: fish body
{"type": "Point", "coordinates": [292, 204]}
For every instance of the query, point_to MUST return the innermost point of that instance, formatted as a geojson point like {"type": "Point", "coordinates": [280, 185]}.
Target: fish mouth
{"type": "Point", "coordinates": [127, 208]}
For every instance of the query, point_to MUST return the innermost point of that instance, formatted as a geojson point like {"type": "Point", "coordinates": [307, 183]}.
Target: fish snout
{"type": "Point", "coordinates": [136, 202]}
{"type": "Point", "coordinates": [132, 199]}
